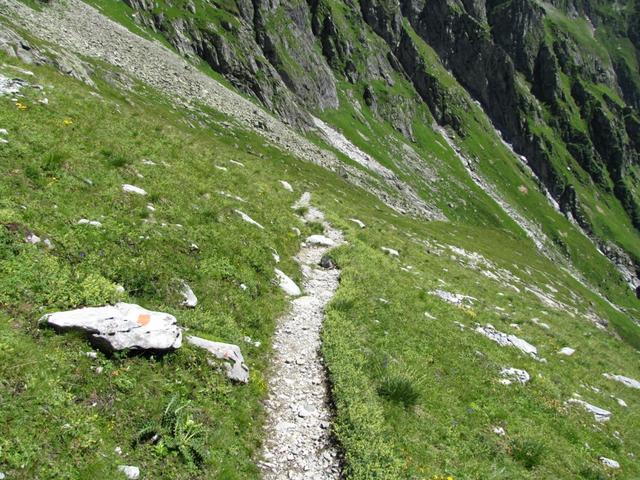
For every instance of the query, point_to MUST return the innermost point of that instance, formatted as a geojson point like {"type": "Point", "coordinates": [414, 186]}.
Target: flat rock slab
{"type": "Point", "coordinates": [124, 326]}
{"type": "Point", "coordinates": [320, 240]}
{"type": "Point", "coordinates": [514, 375]}
{"type": "Point", "coordinates": [506, 340]}
{"type": "Point", "coordinates": [231, 355]}
{"type": "Point", "coordinates": [286, 284]}
{"type": "Point", "coordinates": [629, 382]}
{"type": "Point", "coordinates": [600, 414]}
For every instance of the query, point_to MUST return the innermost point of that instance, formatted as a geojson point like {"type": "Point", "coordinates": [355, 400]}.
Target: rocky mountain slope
{"type": "Point", "coordinates": [463, 307]}
{"type": "Point", "coordinates": [558, 79]}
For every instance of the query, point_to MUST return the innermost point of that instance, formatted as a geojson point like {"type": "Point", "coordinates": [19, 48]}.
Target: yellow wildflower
{"type": "Point", "coordinates": [67, 121]}
{"type": "Point", "coordinates": [21, 106]}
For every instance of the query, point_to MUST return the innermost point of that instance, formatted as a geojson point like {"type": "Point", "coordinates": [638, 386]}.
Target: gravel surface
{"type": "Point", "coordinates": [298, 442]}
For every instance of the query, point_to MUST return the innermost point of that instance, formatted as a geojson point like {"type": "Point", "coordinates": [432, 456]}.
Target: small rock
{"type": "Point", "coordinates": [511, 375]}
{"type": "Point", "coordinates": [358, 222]}
{"type": "Point", "coordinates": [607, 462]}
{"type": "Point", "coordinates": [297, 231]}
{"type": "Point", "coordinates": [629, 382]}
{"type": "Point", "coordinates": [93, 223]}
{"type": "Point", "coordinates": [237, 163]}
{"type": "Point", "coordinates": [600, 414]}
{"type": "Point", "coordinates": [92, 355]}
{"type": "Point", "coordinates": [133, 189]}
{"type": "Point", "coordinates": [274, 254]}
{"type": "Point", "coordinates": [568, 351]}
{"type": "Point", "coordinates": [288, 285]}
{"type": "Point", "coordinates": [390, 251]}
{"type": "Point", "coordinates": [118, 450]}
{"type": "Point", "coordinates": [327, 262]}
{"type": "Point", "coordinates": [131, 472]}
{"type": "Point", "coordinates": [499, 431]}
{"type": "Point", "coordinates": [190, 299]}
{"type": "Point", "coordinates": [236, 369]}
{"type": "Point", "coordinates": [32, 238]}
{"type": "Point", "coordinates": [303, 202]}
{"type": "Point", "coordinates": [248, 219]}
{"type": "Point", "coordinates": [320, 240]}
{"type": "Point", "coordinates": [286, 185]}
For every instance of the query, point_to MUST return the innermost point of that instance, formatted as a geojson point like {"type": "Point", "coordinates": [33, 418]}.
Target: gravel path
{"type": "Point", "coordinates": [298, 441]}
{"type": "Point", "coordinates": [80, 28]}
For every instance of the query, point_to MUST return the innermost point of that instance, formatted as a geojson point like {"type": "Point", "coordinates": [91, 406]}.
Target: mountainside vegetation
{"type": "Point", "coordinates": [514, 127]}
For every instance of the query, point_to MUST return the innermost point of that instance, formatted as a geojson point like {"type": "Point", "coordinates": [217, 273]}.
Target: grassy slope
{"type": "Point", "coordinates": [49, 391]}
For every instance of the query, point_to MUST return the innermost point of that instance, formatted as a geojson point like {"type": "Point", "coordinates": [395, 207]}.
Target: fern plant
{"type": "Point", "coordinates": [176, 432]}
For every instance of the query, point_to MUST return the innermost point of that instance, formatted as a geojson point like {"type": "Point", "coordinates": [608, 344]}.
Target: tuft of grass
{"type": "Point", "coordinates": [400, 389]}
{"type": "Point", "coordinates": [527, 451]}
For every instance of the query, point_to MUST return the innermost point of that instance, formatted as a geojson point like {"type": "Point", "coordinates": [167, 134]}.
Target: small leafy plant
{"type": "Point", "coordinates": [176, 433]}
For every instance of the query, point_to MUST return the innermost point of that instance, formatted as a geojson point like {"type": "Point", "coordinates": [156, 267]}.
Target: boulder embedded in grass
{"type": "Point", "coordinates": [123, 326]}
{"type": "Point", "coordinates": [231, 355]}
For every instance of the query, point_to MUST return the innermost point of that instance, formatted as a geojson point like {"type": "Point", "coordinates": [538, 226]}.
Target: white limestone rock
{"type": "Point", "coordinates": [133, 189]}
{"type": "Point", "coordinates": [600, 414]}
{"type": "Point", "coordinates": [123, 326]}
{"type": "Point", "coordinates": [607, 462]}
{"type": "Point", "coordinates": [513, 375]}
{"type": "Point", "coordinates": [190, 299]}
{"type": "Point", "coordinates": [248, 219]}
{"type": "Point", "coordinates": [568, 351]}
{"type": "Point", "coordinates": [286, 284]}
{"type": "Point", "coordinates": [358, 222]}
{"type": "Point", "coordinates": [390, 251]}
{"type": "Point", "coordinates": [629, 382]}
{"type": "Point", "coordinates": [93, 223]}
{"type": "Point", "coordinates": [286, 185]}
{"type": "Point", "coordinates": [231, 355]}
{"type": "Point", "coordinates": [506, 340]}
{"type": "Point", "coordinates": [320, 240]}
{"type": "Point", "coordinates": [129, 471]}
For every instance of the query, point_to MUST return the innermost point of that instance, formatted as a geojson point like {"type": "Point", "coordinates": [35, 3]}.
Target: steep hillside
{"type": "Point", "coordinates": [484, 313]}
{"type": "Point", "coordinates": [560, 80]}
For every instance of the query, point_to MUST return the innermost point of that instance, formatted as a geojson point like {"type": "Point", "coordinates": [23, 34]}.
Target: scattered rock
{"type": "Point", "coordinates": [453, 298]}
{"type": "Point", "coordinates": [358, 222]}
{"type": "Point", "coordinates": [568, 351]}
{"type": "Point", "coordinates": [131, 472]}
{"type": "Point", "coordinates": [32, 238]}
{"type": "Point", "coordinates": [237, 163]}
{"type": "Point", "coordinates": [600, 414]}
{"type": "Point", "coordinates": [248, 219]}
{"type": "Point", "coordinates": [190, 299]}
{"type": "Point", "coordinates": [288, 285]}
{"type": "Point", "coordinates": [390, 251]}
{"type": "Point", "coordinates": [296, 230]}
{"type": "Point", "coordinates": [607, 462]}
{"type": "Point", "coordinates": [93, 223]}
{"type": "Point", "coordinates": [506, 340]}
{"type": "Point", "coordinates": [327, 262]}
{"type": "Point", "coordinates": [92, 355]}
{"type": "Point", "coordinates": [621, 402]}
{"type": "Point", "coordinates": [274, 254]}
{"type": "Point", "coordinates": [629, 382]}
{"type": "Point", "coordinates": [235, 367]}
{"type": "Point", "coordinates": [320, 240]}
{"type": "Point", "coordinates": [133, 189]}
{"type": "Point", "coordinates": [511, 375]}
{"type": "Point", "coordinates": [122, 326]}
{"type": "Point", "coordinates": [303, 202]}
{"type": "Point", "coordinates": [286, 185]}
{"type": "Point", "coordinates": [232, 197]}
{"type": "Point", "coordinates": [11, 86]}
{"type": "Point", "coordinates": [223, 169]}
{"type": "Point", "coordinates": [540, 324]}
{"type": "Point", "coordinates": [499, 431]}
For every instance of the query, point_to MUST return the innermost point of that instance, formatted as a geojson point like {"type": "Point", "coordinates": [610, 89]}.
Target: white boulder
{"type": "Point", "coordinates": [512, 375]}
{"type": "Point", "coordinates": [248, 219]}
{"type": "Point", "coordinates": [190, 299]}
{"type": "Point", "coordinates": [133, 189]}
{"type": "Point", "coordinates": [600, 414]}
{"type": "Point", "coordinates": [131, 472]}
{"type": "Point", "coordinates": [506, 340]}
{"type": "Point", "coordinates": [122, 326]}
{"type": "Point", "coordinates": [286, 185]}
{"type": "Point", "coordinates": [231, 355]}
{"type": "Point", "coordinates": [607, 462]}
{"type": "Point", "coordinates": [629, 382]}
{"type": "Point", "coordinates": [568, 351]}
{"type": "Point", "coordinates": [286, 284]}
{"type": "Point", "coordinates": [320, 240]}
